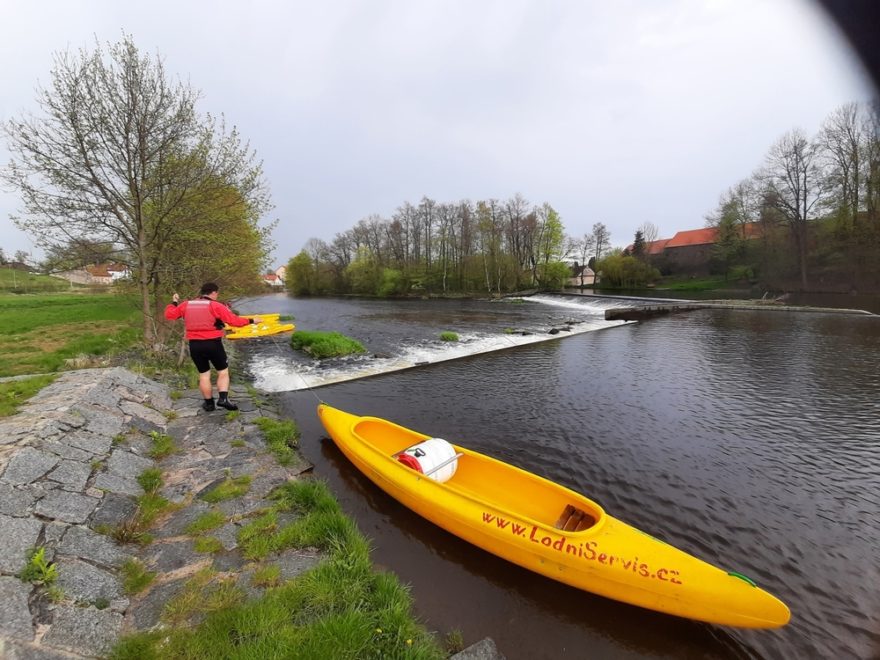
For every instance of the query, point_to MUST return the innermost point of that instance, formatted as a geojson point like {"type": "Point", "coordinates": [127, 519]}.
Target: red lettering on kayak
{"type": "Point", "coordinates": [519, 530]}
{"type": "Point", "coordinates": [586, 550]}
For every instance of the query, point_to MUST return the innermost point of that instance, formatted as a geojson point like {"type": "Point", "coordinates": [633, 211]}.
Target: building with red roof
{"type": "Point", "coordinates": [690, 251]}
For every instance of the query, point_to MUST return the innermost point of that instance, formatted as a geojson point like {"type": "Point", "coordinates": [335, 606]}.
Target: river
{"type": "Point", "coordinates": [748, 438]}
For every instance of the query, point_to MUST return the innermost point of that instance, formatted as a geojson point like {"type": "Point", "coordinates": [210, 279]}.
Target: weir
{"type": "Point", "coordinates": [281, 371]}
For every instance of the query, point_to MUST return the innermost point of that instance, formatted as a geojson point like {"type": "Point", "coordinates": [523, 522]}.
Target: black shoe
{"type": "Point", "coordinates": [208, 405]}
{"type": "Point", "coordinates": [226, 403]}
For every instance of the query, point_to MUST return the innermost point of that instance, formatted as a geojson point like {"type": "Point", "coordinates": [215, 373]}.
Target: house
{"type": "Point", "coordinates": [578, 271]}
{"type": "Point", "coordinates": [690, 251]}
{"type": "Point", "coordinates": [96, 274]}
{"type": "Point", "coordinates": [273, 280]}
{"type": "Point", "coordinates": [281, 272]}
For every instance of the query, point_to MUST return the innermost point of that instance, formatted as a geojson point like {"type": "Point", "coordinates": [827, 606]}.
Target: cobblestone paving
{"type": "Point", "coordinates": [69, 467]}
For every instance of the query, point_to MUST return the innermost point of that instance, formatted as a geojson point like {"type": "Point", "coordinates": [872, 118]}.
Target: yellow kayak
{"type": "Point", "coordinates": [545, 527]}
{"type": "Point", "coordinates": [269, 325]}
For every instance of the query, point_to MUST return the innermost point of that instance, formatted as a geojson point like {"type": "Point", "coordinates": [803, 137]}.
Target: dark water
{"type": "Point", "coordinates": [751, 439]}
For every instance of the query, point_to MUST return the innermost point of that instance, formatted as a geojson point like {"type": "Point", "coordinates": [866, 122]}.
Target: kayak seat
{"type": "Point", "coordinates": [573, 519]}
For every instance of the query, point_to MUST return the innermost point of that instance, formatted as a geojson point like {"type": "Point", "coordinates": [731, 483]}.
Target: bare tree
{"type": "Point", "coordinates": [794, 179]}
{"type": "Point", "coordinates": [650, 232]}
{"type": "Point", "coordinates": [120, 155]}
{"type": "Point", "coordinates": [843, 141]}
{"type": "Point", "coordinates": [601, 239]}
{"type": "Point", "coordinates": [585, 247]}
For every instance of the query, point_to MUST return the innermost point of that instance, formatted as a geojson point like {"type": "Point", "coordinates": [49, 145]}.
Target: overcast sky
{"type": "Point", "coordinates": [619, 112]}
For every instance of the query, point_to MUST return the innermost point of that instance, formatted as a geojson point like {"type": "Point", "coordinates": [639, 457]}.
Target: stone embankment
{"type": "Point", "coordinates": [73, 465]}
{"type": "Point", "coordinates": [71, 469]}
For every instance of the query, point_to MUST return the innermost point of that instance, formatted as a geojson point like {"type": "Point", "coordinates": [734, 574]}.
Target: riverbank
{"type": "Point", "coordinates": [125, 510]}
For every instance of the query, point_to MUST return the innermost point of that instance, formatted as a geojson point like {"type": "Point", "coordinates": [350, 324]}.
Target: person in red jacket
{"type": "Point", "coordinates": [204, 319]}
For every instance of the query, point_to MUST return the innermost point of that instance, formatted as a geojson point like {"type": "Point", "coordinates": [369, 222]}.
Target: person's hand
{"type": "Point", "coordinates": [175, 298]}
{"type": "Point", "coordinates": [257, 320]}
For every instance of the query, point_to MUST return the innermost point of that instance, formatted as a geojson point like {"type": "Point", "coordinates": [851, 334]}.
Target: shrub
{"type": "Point", "coordinates": [448, 336]}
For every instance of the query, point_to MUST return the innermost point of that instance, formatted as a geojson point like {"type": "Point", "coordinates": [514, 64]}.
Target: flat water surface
{"type": "Point", "coordinates": [750, 439]}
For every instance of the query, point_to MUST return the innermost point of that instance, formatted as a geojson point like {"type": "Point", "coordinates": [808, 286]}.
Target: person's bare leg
{"type": "Point", "coordinates": [205, 384]}
{"type": "Point", "coordinates": [223, 380]}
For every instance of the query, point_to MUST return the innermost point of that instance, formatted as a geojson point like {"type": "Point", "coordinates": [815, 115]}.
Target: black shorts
{"type": "Point", "coordinates": [205, 352]}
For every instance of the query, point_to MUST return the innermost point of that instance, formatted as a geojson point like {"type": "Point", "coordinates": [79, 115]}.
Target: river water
{"type": "Point", "coordinates": [750, 439]}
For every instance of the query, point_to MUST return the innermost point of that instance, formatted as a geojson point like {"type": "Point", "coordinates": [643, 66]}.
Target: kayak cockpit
{"type": "Point", "coordinates": [573, 519]}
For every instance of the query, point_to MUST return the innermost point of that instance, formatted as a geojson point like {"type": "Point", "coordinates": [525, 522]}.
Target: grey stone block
{"type": "Point", "coordinates": [145, 426]}
{"type": "Point", "coordinates": [28, 465]}
{"type": "Point", "coordinates": [53, 532]}
{"type": "Point", "coordinates": [15, 501]}
{"type": "Point", "coordinates": [228, 535]}
{"type": "Point", "coordinates": [296, 562]}
{"type": "Point", "coordinates": [66, 450]}
{"type": "Point", "coordinates": [179, 520]}
{"type": "Point", "coordinates": [15, 616]}
{"type": "Point", "coordinates": [17, 536]}
{"type": "Point", "coordinates": [94, 443]}
{"type": "Point", "coordinates": [123, 463]}
{"type": "Point", "coordinates": [86, 583]}
{"type": "Point", "coordinates": [87, 630]}
{"type": "Point", "coordinates": [69, 507]}
{"type": "Point", "coordinates": [167, 557]}
{"type": "Point", "coordinates": [113, 510]}
{"type": "Point", "coordinates": [145, 615]}
{"type": "Point", "coordinates": [73, 475]}
{"type": "Point", "coordinates": [103, 397]}
{"type": "Point", "coordinates": [103, 422]}
{"type": "Point", "coordinates": [485, 649]}
{"type": "Point", "coordinates": [116, 484]}
{"type": "Point", "coordinates": [96, 548]}
{"type": "Point", "coordinates": [139, 411]}
{"type": "Point", "coordinates": [15, 650]}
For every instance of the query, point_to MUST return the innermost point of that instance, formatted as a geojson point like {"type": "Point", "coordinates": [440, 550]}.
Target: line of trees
{"type": "Point", "coordinates": [489, 246]}
{"type": "Point", "coordinates": [120, 163]}
{"type": "Point", "coordinates": [817, 200]}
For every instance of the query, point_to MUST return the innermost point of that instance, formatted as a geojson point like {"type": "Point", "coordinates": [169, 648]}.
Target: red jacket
{"type": "Point", "coordinates": [200, 317]}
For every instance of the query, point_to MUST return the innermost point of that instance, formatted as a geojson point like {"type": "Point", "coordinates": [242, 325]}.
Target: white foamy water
{"type": "Point", "coordinates": [276, 372]}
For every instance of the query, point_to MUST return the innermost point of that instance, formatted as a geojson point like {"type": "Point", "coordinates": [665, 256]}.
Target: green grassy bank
{"type": "Point", "coordinates": [38, 332]}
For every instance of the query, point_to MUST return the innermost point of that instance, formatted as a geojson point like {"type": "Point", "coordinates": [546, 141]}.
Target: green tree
{"type": "Point", "coordinates": [622, 271]}
{"type": "Point", "coordinates": [300, 275]}
{"type": "Point", "coordinates": [118, 154]}
{"type": "Point", "coordinates": [729, 246]}
{"type": "Point", "coordinates": [364, 274]}
{"type": "Point", "coordinates": [554, 275]}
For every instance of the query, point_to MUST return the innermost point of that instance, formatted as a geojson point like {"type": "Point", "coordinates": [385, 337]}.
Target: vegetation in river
{"type": "Point", "coordinates": [448, 336]}
{"type": "Point", "coordinates": [321, 345]}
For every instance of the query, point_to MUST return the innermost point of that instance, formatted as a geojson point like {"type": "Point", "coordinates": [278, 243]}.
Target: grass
{"type": "Point", "coordinates": [228, 489]}
{"type": "Point", "coordinates": [14, 393]}
{"type": "Point", "coordinates": [163, 445]}
{"type": "Point", "coordinates": [42, 331]}
{"type": "Point", "coordinates": [135, 577]}
{"type": "Point", "coordinates": [325, 344]}
{"type": "Point", "coordinates": [150, 506]}
{"type": "Point", "coordinates": [150, 480]}
{"type": "Point", "coordinates": [694, 284]}
{"type": "Point", "coordinates": [280, 436]}
{"type": "Point", "coordinates": [207, 544]}
{"type": "Point", "coordinates": [267, 575]}
{"type": "Point", "coordinates": [341, 608]}
{"type": "Point", "coordinates": [448, 336]}
{"type": "Point", "coordinates": [206, 522]}
{"type": "Point", "coordinates": [18, 281]}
